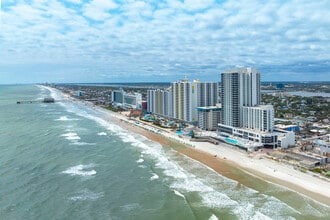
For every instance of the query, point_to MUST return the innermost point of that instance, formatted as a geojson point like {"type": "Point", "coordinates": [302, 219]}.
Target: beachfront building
{"type": "Point", "coordinates": [260, 118]}
{"type": "Point", "coordinates": [184, 100]}
{"type": "Point", "coordinates": [188, 96]}
{"type": "Point", "coordinates": [240, 87]}
{"type": "Point", "coordinates": [125, 100]}
{"type": "Point", "coordinates": [159, 102]}
{"type": "Point", "coordinates": [207, 94]}
{"type": "Point", "coordinates": [181, 100]}
{"type": "Point", "coordinates": [243, 116]}
{"type": "Point", "coordinates": [117, 96]}
{"type": "Point", "coordinates": [208, 117]}
{"type": "Point", "coordinates": [285, 138]}
{"type": "Point", "coordinates": [131, 100]}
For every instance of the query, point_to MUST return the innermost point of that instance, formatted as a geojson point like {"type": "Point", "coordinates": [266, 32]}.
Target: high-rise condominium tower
{"type": "Point", "coordinates": [184, 100]}
{"type": "Point", "coordinates": [181, 100]}
{"type": "Point", "coordinates": [240, 88]}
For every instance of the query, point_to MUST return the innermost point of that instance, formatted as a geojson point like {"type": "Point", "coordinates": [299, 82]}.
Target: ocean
{"type": "Point", "coordinates": [65, 160]}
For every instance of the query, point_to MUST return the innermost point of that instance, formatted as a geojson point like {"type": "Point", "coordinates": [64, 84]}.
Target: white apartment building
{"type": "Point", "coordinates": [240, 87]}
{"type": "Point", "coordinates": [260, 118]}
{"type": "Point", "coordinates": [131, 100]}
{"type": "Point", "coordinates": [125, 100]}
{"type": "Point", "coordinates": [242, 114]}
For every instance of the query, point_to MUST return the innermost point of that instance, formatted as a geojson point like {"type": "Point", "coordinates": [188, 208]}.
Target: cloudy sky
{"type": "Point", "coordinates": [162, 40]}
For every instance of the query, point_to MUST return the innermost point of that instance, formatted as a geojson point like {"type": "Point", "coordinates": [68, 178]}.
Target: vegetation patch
{"type": "Point", "coordinates": [317, 170]}
{"type": "Point", "coordinates": [327, 174]}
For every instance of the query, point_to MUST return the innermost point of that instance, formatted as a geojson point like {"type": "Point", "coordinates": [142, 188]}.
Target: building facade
{"type": "Point", "coordinates": [242, 114]}
{"type": "Point", "coordinates": [260, 118]}
{"type": "Point", "coordinates": [181, 100]}
{"type": "Point", "coordinates": [239, 88]}
{"type": "Point", "coordinates": [117, 96]}
{"type": "Point", "coordinates": [125, 100]}
{"type": "Point", "coordinates": [207, 94]}
{"type": "Point", "coordinates": [208, 117]}
{"type": "Point", "coordinates": [131, 100]}
{"type": "Point", "coordinates": [184, 100]}
{"type": "Point", "coordinates": [160, 102]}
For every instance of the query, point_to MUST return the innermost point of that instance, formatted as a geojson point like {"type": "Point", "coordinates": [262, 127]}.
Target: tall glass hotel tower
{"type": "Point", "coordinates": [242, 114]}
{"type": "Point", "coordinates": [240, 88]}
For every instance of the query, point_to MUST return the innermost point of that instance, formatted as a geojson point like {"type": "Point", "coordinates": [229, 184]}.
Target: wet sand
{"type": "Point", "coordinates": [231, 163]}
{"type": "Point", "coordinates": [222, 165]}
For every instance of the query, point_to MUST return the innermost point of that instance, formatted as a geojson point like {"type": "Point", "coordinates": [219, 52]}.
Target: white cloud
{"type": "Point", "coordinates": [99, 9]}
{"type": "Point", "coordinates": [201, 36]}
{"type": "Point", "coordinates": [197, 4]}
{"type": "Point", "coordinates": [74, 1]}
{"type": "Point", "coordinates": [137, 9]}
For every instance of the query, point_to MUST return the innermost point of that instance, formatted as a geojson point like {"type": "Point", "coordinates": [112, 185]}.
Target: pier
{"type": "Point", "coordinates": [45, 100]}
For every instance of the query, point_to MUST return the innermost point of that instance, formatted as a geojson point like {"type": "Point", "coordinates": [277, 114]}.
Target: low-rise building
{"type": "Point", "coordinates": [324, 147]}
{"type": "Point", "coordinates": [277, 138]}
{"type": "Point", "coordinates": [285, 138]}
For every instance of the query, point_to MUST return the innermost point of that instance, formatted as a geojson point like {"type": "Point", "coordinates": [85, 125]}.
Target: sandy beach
{"type": "Point", "coordinates": [224, 157]}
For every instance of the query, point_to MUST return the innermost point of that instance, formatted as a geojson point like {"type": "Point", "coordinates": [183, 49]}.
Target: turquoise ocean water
{"type": "Point", "coordinates": [67, 161]}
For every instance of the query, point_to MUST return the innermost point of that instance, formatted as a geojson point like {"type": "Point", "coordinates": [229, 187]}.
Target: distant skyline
{"type": "Point", "coordinates": [109, 41]}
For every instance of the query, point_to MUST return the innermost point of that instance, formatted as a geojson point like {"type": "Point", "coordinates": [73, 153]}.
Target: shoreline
{"type": "Point", "coordinates": [203, 152]}
{"type": "Point", "coordinates": [224, 158]}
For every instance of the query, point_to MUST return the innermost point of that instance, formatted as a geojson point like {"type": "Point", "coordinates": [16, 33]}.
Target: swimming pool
{"type": "Point", "coordinates": [179, 132]}
{"type": "Point", "coordinates": [234, 142]}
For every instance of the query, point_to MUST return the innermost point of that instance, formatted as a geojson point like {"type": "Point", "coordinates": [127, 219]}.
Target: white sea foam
{"type": "Point", "coordinates": [217, 199]}
{"type": "Point", "coordinates": [273, 207]}
{"type": "Point", "coordinates": [82, 143]}
{"type": "Point", "coordinates": [86, 195]}
{"type": "Point", "coordinates": [244, 210]}
{"type": "Point", "coordinates": [65, 118]}
{"type": "Point", "coordinates": [106, 124]}
{"type": "Point", "coordinates": [310, 209]}
{"type": "Point", "coordinates": [183, 180]}
{"type": "Point", "coordinates": [81, 170]}
{"type": "Point", "coordinates": [71, 136]}
{"type": "Point", "coordinates": [212, 194]}
{"type": "Point", "coordinates": [179, 194]}
{"type": "Point", "coordinates": [101, 134]}
{"type": "Point", "coordinates": [260, 216]}
{"type": "Point", "coordinates": [213, 217]}
{"type": "Point", "coordinates": [140, 160]}
{"type": "Point", "coordinates": [154, 177]}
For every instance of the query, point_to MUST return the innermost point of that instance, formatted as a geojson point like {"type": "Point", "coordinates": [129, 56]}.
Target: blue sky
{"type": "Point", "coordinates": [127, 41]}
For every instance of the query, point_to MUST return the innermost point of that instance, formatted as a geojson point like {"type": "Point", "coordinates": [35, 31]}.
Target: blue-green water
{"type": "Point", "coordinates": [67, 161]}
{"type": "Point", "coordinates": [233, 141]}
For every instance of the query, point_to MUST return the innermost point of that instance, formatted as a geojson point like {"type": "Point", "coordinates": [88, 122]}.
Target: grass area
{"type": "Point", "coordinates": [111, 108]}
{"type": "Point", "coordinates": [317, 170]}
